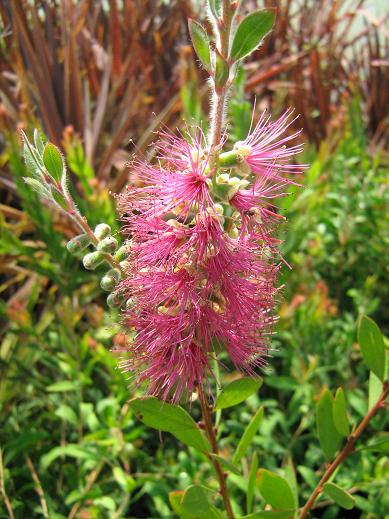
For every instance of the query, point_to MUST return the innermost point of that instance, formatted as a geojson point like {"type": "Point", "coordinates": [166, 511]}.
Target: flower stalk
{"type": "Point", "coordinates": [210, 431]}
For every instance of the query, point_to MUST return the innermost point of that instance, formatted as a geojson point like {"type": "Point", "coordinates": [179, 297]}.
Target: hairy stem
{"type": "Point", "coordinates": [222, 477]}
{"type": "Point", "coordinates": [219, 95]}
{"type": "Point", "coordinates": [345, 452]}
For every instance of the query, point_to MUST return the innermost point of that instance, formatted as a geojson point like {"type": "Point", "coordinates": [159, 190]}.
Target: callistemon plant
{"type": "Point", "coordinates": [196, 277]}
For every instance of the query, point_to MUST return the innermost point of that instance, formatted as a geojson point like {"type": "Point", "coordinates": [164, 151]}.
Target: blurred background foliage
{"type": "Point", "coordinates": [100, 77]}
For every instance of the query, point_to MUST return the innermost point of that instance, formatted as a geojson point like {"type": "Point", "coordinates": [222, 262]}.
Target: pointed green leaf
{"type": "Point", "coordinates": [222, 70]}
{"type": "Point", "coordinates": [340, 413]}
{"type": "Point", "coordinates": [339, 495]}
{"type": "Point", "coordinates": [375, 389]}
{"type": "Point", "coordinates": [200, 43]}
{"type": "Point", "coordinates": [53, 161]}
{"type": "Point", "coordinates": [251, 484]}
{"type": "Point", "coordinates": [228, 466]}
{"type": "Point", "coordinates": [31, 159]}
{"type": "Point", "coordinates": [248, 435]}
{"type": "Point", "coordinates": [290, 477]}
{"type": "Point", "coordinates": [63, 385]}
{"type": "Point", "coordinates": [328, 435]}
{"type": "Point", "coordinates": [275, 490]}
{"type": "Point", "coordinates": [309, 476]}
{"type": "Point", "coordinates": [237, 391]}
{"type": "Point", "coordinates": [38, 187]}
{"type": "Point", "coordinates": [71, 450]}
{"type": "Point", "coordinates": [170, 418]}
{"type": "Point", "coordinates": [38, 141]}
{"type": "Point", "coordinates": [379, 445]}
{"type": "Point", "coordinates": [250, 33]}
{"type": "Point", "coordinates": [372, 346]}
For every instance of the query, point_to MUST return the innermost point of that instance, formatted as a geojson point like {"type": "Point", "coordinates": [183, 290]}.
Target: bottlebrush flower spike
{"type": "Point", "coordinates": [202, 266]}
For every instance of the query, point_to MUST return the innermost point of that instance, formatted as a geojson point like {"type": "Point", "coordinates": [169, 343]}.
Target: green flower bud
{"type": "Point", "coordinates": [121, 253]}
{"type": "Point", "coordinates": [115, 299]}
{"type": "Point", "coordinates": [110, 280]}
{"type": "Point", "coordinates": [93, 260]}
{"type": "Point", "coordinates": [109, 244]}
{"type": "Point", "coordinates": [78, 243]}
{"type": "Point", "coordinates": [102, 231]}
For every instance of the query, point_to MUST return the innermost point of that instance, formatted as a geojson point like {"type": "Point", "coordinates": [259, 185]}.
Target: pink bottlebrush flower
{"type": "Point", "coordinates": [265, 148]}
{"type": "Point", "coordinates": [198, 282]}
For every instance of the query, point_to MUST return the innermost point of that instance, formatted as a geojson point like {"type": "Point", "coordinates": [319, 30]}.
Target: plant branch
{"type": "Point", "coordinates": [207, 418]}
{"type": "Point", "coordinates": [345, 452]}
{"type": "Point", "coordinates": [38, 486]}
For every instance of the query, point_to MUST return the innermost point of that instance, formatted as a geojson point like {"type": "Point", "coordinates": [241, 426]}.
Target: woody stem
{"type": "Point", "coordinates": [210, 431]}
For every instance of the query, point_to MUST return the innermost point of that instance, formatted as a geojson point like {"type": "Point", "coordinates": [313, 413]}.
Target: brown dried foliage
{"type": "Point", "coordinates": [103, 72]}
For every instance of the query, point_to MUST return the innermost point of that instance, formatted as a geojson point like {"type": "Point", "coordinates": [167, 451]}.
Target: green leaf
{"type": "Point", "coordinates": [372, 346]}
{"type": "Point", "coordinates": [308, 475]}
{"type": "Point", "coordinates": [222, 70]}
{"type": "Point", "coordinates": [250, 33]}
{"type": "Point", "coordinates": [328, 435]}
{"type": "Point", "coordinates": [248, 435]}
{"type": "Point", "coordinates": [195, 500]}
{"type": "Point", "coordinates": [340, 413]}
{"type": "Point", "coordinates": [200, 43]}
{"type": "Point", "coordinates": [339, 495]}
{"type": "Point", "coordinates": [251, 484]}
{"type": "Point", "coordinates": [175, 499]}
{"type": "Point", "coordinates": [126, 481]}
{"type": "Point", "coordinates": [215, 6]}
{"type": "Point", "coordinates": [275, 490]}
{"type": "Point", "coordinates": [380, 445]}
{"type": "Point", "coordinates": [67, 414]}
{"type": "Point", "coordinates": [237, 391]}
{"type": "Point", "coordinates": [71, 450]}
{"type": "Point", "coordinates": [170, 418]}
{"type": "Point", "coordinates": [269, 515]}
{"type": "Point", "coordinates": [226, 464]}
{"type": "Point", "coordinates": [38, 187]}
{"type": "Point", "coordinates": [53, 161]}
{"type": "Point", "coordinates": [290, 477]}
{"type": "Point", "coordinates": [63, 385]}
{"type": "Point", "coordinates": [375, 389]}
{"type": "Point", "coordinates": [31, 159]}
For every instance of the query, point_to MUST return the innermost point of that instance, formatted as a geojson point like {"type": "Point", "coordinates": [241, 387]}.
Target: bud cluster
{"type": "Point", "coordinates": [106, 249]}
{"type": "Point", "coordinates": [49, 179]}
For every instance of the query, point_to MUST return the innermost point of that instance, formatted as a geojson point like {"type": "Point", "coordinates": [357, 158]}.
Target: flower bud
{"type": "Point", "coordinates": [121, 253]}
{"type": "Point", "coordinates": [242, 150]}
{"type": "Point", "coordinates": [115, 299]}
{"type": "Point", "coordinates": [78, 243]}
{"type": "Point", "coordinates": [93, 260]}
{"type": "Point", "coordinates": [109, 244]}
{"type": "Point", "coordinates": [223, 178]}
{"type": "Point", "coordinates": [110, 280]}
{"type": "Point", "coordinates": [102, 231]}
{"type": "Point", "coordinates": [124, 264]}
